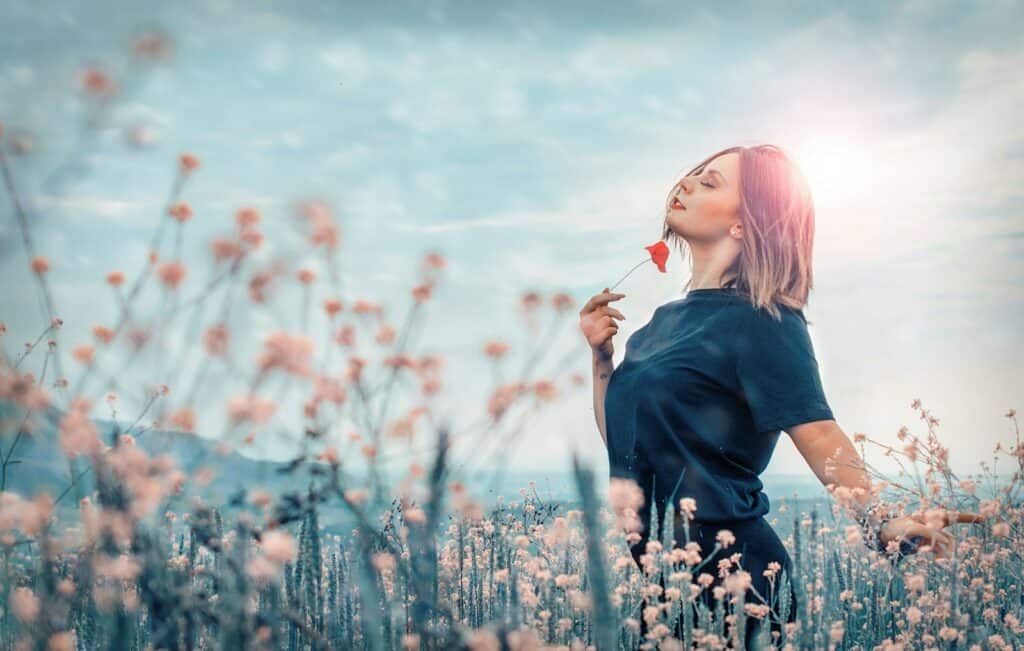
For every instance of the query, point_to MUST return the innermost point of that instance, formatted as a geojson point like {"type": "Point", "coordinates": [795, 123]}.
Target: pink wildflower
{"type": "Point", "coordinates": [184, 419]}
{"type": "Point", "coordinates": [385, 334]}
{"type": "Point", "coordinates": [152, 46]}
{"type": "Point", "coordinates": [25, 604]}
{"type": "Point", "coordinates": [688, 505]}
{"type": "Point", "coordinates": [78, 434]}
{"type": "Point", "coordinates": [496, 349]}
{"type": "Point", "coordinates": [40, 265]}
{"type": "Point", "coordinates": [363, 306]}
{"type": "Point", "coordinates": [434, 260]}
{"type": "Point", "coordinates": [247, 216]}
{"type": "Point", "coordinates": [332, 306]}
{"type": "Point", "coordinates": [103, 333]}
{"type": "Point", "coordinates": [561, 302]}
{"type": "Point", "coordinates": [225, 249]}
{"type": "Point", "coordinates": [83, 353]}
{"type": "Point", "coordinates": [181, 211]}
{"type": "Point", "coordinates": [188, 163]}
{"type": "Point", "coordinates": [261, 569]}
{"type": "Point", "coordinates": [250, 408]}
{"type": "Point", "coordinates": [215, 340]}
{"type": "Point", "coordinates": [626, 497]}
{"type": "Point", "coordinates": [738, 582]}
{"type": "Point", "coordinates": [279, 546]}
{"type": "Point", "coordinates": [291, 354]}
{"type": "Point", "coordinates": [545, 390]}
{"type": "Point", "coordinates": [725, 537]}
{"type": "Point", "coordinates": [330, 390]}
{"type": "Point", "coordinates": [62, 641]}
{"type": "Point", "coordinates": [503, 397]}
{"type": "Point", "coordinates": [172, 273]}
{"type": "Point", "coordinates": [95, 81]}
{"type": "Point", "coordinates": [530, 300]}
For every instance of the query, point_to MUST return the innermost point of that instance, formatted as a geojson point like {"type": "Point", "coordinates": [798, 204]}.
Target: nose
{"type": "Point", "coordinates": [678, 191]}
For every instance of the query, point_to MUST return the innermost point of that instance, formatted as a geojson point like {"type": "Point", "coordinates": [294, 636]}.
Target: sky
{"type": "Point", "coordinates": [533, 145]}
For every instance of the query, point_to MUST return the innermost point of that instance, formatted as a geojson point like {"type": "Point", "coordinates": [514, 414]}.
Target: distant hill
{"type": "Point", "coordinates": [44, 467]}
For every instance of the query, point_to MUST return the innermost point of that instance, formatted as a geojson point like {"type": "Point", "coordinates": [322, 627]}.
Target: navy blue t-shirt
{"type": "Point", "coordinates": [699, 400]}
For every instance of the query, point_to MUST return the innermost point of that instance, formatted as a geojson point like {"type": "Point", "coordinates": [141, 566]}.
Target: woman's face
{"type": "Point", "coordinates": [703, 208]}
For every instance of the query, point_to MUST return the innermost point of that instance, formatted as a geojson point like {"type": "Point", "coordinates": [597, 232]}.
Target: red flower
{"type": "Point", "coordinates": [659, 254]}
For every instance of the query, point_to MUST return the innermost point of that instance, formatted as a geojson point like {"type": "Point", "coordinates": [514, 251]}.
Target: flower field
{"type": "Point", "coordinates": [125, 548]}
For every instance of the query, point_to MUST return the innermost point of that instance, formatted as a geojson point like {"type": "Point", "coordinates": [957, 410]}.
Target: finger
{"type": "Point", "coordinates": [611, 310]}
{"type": "Point", "coordinates": [952, 517]}
{"type": "Point", "coordinates": [970, 517]}
{"type": "Point", "coordinates": [599, 300]}
{"type": "Point", "coordinates": [607, 321]}
{"type": "Point", "coordinates": [607, 333]}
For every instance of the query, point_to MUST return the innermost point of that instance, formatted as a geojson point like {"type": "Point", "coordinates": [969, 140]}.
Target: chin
{"type": "Point", "coordinates": [674, 226]}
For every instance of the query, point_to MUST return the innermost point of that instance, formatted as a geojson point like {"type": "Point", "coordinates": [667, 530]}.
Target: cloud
{"type": "Point", "coordinates": [142, 112]}
{"type": "Point", "coordinates": [499, 222]}
{"type": "Point", "coordinates": [287, 139]}
{"type": "Point", "coordinates": [123, 210]}
{"type": "Point", "coordinates": [274, 57]}
{"type": "Point", "coordinates": [349, 60]}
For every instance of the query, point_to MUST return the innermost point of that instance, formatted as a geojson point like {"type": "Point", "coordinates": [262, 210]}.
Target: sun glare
{"type": "Point", "coordinates": [838, 168]}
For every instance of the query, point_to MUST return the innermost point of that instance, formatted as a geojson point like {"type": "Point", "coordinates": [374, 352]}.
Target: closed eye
{"type": "Point", "coordinates": [708, 185]}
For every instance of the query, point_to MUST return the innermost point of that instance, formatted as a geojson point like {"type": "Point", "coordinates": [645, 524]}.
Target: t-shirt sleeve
{"type": "Point", "coordinates": [778, 372]}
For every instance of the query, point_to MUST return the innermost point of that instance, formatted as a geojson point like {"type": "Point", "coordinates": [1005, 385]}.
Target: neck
{"type": "Point", "coordinates": [710, 264]}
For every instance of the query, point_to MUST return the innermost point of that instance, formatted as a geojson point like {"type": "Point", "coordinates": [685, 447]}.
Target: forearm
{"type": "Point", "coordinates": [603, 368]}
{"type": "Point", "coordinates": [835, 461]}
{"type": "Point", "coordinates": [832, 456]}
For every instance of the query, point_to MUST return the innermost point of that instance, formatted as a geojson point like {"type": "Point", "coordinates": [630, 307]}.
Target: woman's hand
{"type": "Point", "coordinates": [597, 322]}
{"type": "Point", "coordinates": [928, 531]}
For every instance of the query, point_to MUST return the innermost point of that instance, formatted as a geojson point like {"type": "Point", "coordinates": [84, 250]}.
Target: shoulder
{"type": "Point", "coordinates": [755, 317]}
{"type": "Point", "coordinates": [757, 325]}
{"type": "Point", "coordinates": [787, 316]}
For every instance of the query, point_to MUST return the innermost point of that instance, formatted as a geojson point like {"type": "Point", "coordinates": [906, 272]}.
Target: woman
{"type": "Point", "coordinates": [706, 386]}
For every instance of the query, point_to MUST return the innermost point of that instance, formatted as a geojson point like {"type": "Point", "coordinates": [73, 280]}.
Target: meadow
{"type": "Point", "coordinates": [124, 547]}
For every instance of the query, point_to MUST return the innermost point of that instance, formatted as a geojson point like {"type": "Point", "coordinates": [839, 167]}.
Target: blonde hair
{"type": "Point", "coordinates": [777, 213]}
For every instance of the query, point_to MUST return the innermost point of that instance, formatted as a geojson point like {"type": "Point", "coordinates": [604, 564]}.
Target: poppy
{"type": "Point", "coordinates": [659, 254]}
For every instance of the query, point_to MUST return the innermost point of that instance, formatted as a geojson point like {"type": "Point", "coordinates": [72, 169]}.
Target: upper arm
{"type": "Point", "coordinates": [777, 372]}
{"type": "Point", "coordinates": [806, 435]}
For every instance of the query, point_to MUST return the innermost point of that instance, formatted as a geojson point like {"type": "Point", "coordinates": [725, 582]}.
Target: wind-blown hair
{"type": "Point", "coordinates": [777, 213]}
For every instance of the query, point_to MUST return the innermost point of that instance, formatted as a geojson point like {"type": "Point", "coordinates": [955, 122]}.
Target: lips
{"type": "Point", "coordinates": [675, 205]}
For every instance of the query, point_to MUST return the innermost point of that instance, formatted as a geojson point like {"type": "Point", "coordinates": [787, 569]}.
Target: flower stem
{"type": "Point", "coordinates": [627, 273]}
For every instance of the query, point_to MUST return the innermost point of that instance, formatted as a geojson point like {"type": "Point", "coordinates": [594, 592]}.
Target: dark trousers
{"type": "Point", "coordinates": [759, 545]}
